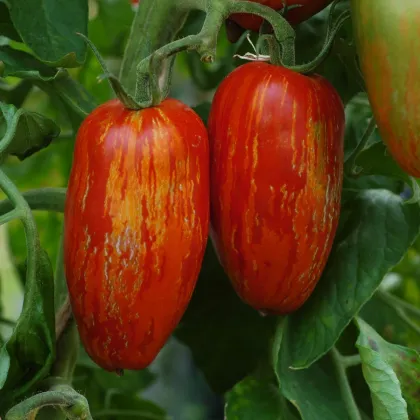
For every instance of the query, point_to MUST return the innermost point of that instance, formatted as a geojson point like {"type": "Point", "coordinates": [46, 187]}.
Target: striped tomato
{"type": "Point", "coordinates": [388, 41]}
{"type": "Point", "coordinates": [306, 9]}
{"type": "Point", "coordinates": [136, 226]}
{"type": "Point", "coordinates": [276, 148]}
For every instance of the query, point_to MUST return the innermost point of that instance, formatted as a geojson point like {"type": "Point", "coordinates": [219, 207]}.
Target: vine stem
{"type": "Point", "coordinates": [74, 405]}
{"type": "Point", "coordinates": [63, 317]}
{"type": "Point", "coordinates": [25, 215]}
{"type": "Point", "coordinates": [148, 88]}
{"type": "Point", "coordinates": [346, 392]}
{"type": "Point", "coordinates": [51, 199]}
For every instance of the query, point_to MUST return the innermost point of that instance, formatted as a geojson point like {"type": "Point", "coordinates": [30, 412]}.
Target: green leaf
{"type": "Point", "coordinates": [26, 66]}
{"type": "Point", "coordinates": [77, 101]}
{"type": "Point", "coordinates": [28, 132]}
{"type": "Point", "coordinates": [6, 26]}
{"type": "Point", "coordinates": [110, 27]}
{"type": "Point", "coordinates": [340, 66]}
{"type": "Point", "coordinates": [15, 94]}
{"type": "Point", "coordinates": [376, 229]}
{"type": "Point", "coordinates": [50, 29]}
{"type": "Point", "coordinates": [387, 321]}
{"type": "Point", "coordinates": [392, 373]}
{"type": "Point", "coordinates": [27, 356]}
{"type": "Point", "coordinates": [375, 160]}
{"type": "Point", "coordinates": [227, 338]}
{"type": "Point", "coordinates": [100, 388]}
{"type": "Point", "coordinates": [253, 398]}
{"type": "Point", "coordinates": [314, 391]}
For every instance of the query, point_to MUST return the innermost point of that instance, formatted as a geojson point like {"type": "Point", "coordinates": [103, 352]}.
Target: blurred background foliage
{"type": "Point", "coordinates": [174, 382]}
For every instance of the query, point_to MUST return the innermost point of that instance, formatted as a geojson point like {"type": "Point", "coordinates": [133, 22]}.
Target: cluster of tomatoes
{"type": "Point", "coordinates": [265, 176]}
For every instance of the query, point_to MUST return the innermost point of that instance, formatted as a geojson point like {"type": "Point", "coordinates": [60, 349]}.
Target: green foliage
{"type": "Point", "coordinates": [355, 269]}
{"type": "Point", "coordinates": [392, 373]}
{"type": "Point", "coordinates": [27, 132]}
{"type": "Point", "coordinates": [256, 398]}
{"type": "Point", "coordinates": [310, 364]}
{"type": "Point", "coordinates": [28, 354]}
{"type": "Point", "coordinates": [239, 336]}
{"type": "Point", "coordinates": [50, 30]}
{"type": "Point", "coordinates": [314, 391]}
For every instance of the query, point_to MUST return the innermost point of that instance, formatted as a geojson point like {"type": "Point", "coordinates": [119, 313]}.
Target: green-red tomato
{"type": "Point", "coordinates": [388, 42]}
{"type": "Point", "coordinates": [276, 158]}
{"type": "Point", "coordinates": [307, 9]}
{"type": "Point", "coordinates": [136, 225]}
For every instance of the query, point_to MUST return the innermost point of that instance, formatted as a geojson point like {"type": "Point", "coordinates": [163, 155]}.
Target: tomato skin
{"type": "Point", "coordinates": [136, 226]}
{"type": "Point", "coordinates": [387, 40]}
{"type": "Point", "coordinates": [276, 157]}
{"type": "Point", "coordinates": [135, 4]}
{"type": "Point", "coordinates": [308, 8]}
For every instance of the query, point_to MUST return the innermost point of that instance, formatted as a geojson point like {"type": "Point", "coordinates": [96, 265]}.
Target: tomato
{"type": "Point", "coordinates": [136, 226]}
{"type": "Point", "coordinates": [276, 158]}
{"type": "Point", "coordinates": [387, 39]}
{"type": "Point", "coordinates": [134, 4]}
{"type": "Point", "coordinates": [308, 8]}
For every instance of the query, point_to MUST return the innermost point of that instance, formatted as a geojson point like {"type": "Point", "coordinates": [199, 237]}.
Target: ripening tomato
{"type": "Point", "coordinates": [136, 226]}
{"type": "Point", "coordinates": [388, 41]}
{"type": "Point", "coordinates": [135, 4]}
{"type": "Point", "coordinates": [276, 157]}
{"type": "Point", "coordinates": [308, 8]}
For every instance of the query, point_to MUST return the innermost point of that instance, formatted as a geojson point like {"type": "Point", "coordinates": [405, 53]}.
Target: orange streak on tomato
{"type": "Point", "coordinates": [276, 144]}
{"type": "Point", "coordinates": [307, 9]}
{"type": "Point", "coordinates": [136, 224]}
{"type": "Point", "coordinates": [387, 35]}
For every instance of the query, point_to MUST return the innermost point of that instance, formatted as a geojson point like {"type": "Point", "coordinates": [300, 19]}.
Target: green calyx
{"type": "Point", "coordinates": [146, 71]}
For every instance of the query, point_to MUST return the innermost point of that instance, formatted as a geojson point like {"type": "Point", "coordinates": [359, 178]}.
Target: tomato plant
{"type": "Point", "coordinates": [276, 172]}
{"type": "Point", "coordinates": [137, 206]}
{"type": "Point", "coordinates": [295, 149]}
{"type": "Point", "coordinates": [391, 72]}
{"type": "Point", "coordinates": [305, 9]}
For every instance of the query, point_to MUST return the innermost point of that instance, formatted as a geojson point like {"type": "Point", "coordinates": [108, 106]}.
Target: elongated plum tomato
{"type": "Point", "coordinates": [307, 9]}
{"type": "Point", "coordinates": [388, 41]}
{"type": "Point", "coordinates": [276, 157]}
{"type": "Point", "coordinates": [136, 225]}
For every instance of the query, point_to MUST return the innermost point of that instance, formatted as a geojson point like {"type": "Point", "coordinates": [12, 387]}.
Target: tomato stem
{"type": "Point", "coordinates": [152, 28]}
{"type": "Point", "coordinates": [334, 27]}
{"type": "Point", "coordinates": [73, 404]}
{"type": "Point", "coordinates": [283, 31]}
{"type": "Point", "coordinates": [152, 86]}
{"type": "Point", "coordinates": [116, 86]}
{"type": "Point", "coordinates": [346, 392]}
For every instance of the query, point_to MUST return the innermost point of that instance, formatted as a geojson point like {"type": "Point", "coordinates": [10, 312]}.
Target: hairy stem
{"type": "Point", "coordinates": [50, 199]}
{"type": "Point", "coordinates": [74, 405]}
{"type": "Point", "coordinates": [346, 392]}
{"type": "Point", "coordinates": [152, 28]}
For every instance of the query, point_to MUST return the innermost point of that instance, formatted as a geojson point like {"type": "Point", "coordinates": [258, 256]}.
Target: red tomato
{"type": "Point", "coordinates": [387, 40]}
{"type": "Point", "coordinates": [276, 158]}
{"type": "Point", "coordinates": [308, 8]}
{"type": "Point", "coordinates": [136, 226]}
